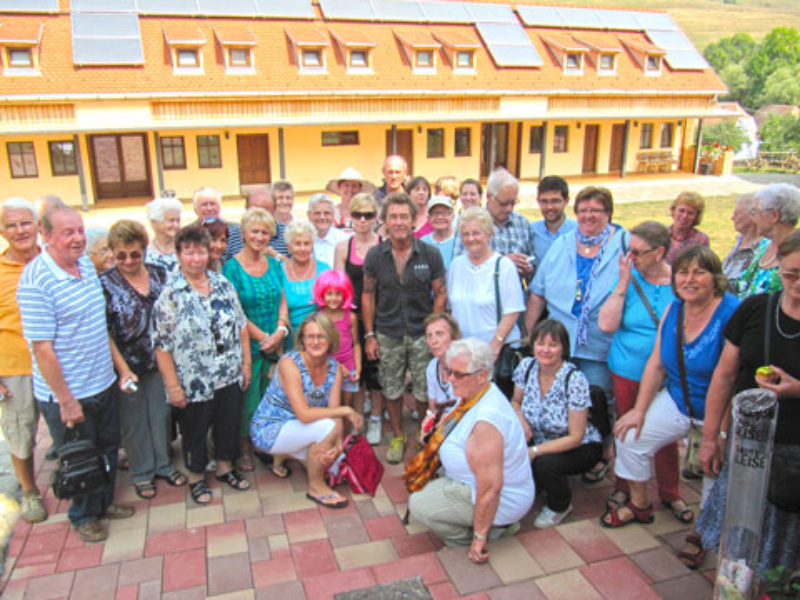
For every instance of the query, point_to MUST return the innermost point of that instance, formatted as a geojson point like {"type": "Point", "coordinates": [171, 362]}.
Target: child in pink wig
{"type": "Point", "coordinates": [333, 293]}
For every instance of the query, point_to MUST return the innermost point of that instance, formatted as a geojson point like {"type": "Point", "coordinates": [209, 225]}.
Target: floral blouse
{"type": "Point", "coordinates": [738, 261]}
{"type": "Point", "coordinates": [168, 261]}
{"type": "Point", "coordinates": [549, 417]}
{"type": "Point", "coordinates": [757, 280]}
{"type": "Point", "coordinates": [128, 314]}
{"type": "Point", "coordinates": [203, 334]}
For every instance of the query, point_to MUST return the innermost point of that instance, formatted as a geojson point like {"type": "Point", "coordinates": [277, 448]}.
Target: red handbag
{"type": "Point", "coordinates": [357, 465]}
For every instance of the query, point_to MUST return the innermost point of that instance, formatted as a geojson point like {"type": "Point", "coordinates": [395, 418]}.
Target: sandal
{"type": "Point", "coordinates": [233, 479]}
{"type": "Point", "coordinates": [598, 472]}
{"type": "Point", "coordinates": [692, 560]}
{"type": "Point", "coordinates": [685, 515]}
{"type": "Point", "coordinates": [146, 490]}
{"type": "Point", "coordinates": [280, 471]}
{"type": "Point", "coordinates": [200, 492]}
{"type": "Point", "coordinates": [638, 515]}
{"type": "Point", "coordinates": [325, 500]}
{"type": "Point", "coordinates": [618, 498]}
{"type": "Point", "coordinates": [245, 464]}
{"type": "Point", "coordinates": [175, 478]}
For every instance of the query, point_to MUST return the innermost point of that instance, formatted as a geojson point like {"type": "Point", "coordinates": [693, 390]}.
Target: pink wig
{"type": "Point", "coordinates": [333, 280]}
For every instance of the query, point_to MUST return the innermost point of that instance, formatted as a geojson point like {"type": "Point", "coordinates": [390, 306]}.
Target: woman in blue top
{"type": "Point", "coordinates": [300, 414]}
{"type": "Point", "coordinates": [701, 311]}
{"type": "Point", "coordinates": [633, 311]}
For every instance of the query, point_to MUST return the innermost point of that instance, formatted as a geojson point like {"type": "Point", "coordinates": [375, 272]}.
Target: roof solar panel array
{"type": "Point", "coordinates": [29, 6]}
{"type": "Point", "coordinates": [103, 5]}
{"type": "Point", "coordinates": [106, 38]}
{"type": "Point", "coordinates": [509, 45]}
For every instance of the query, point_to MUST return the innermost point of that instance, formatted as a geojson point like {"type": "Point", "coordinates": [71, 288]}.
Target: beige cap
{"type": "Point", "coordinates": [350, 174]}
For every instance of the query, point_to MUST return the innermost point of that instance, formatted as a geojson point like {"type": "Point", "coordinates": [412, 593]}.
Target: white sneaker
{"type": "Point", "coordinates": [415, 415]}
{"type": "Point", "coordinates": [550, 518]}
{"type": "Point", "coordinates": [374, 431]}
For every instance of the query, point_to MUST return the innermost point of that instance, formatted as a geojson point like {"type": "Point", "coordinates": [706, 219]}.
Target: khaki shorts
{"type": "Point", "coordinates": [397, 355]}
{"type": "Point", "coordinates": [19, 415]}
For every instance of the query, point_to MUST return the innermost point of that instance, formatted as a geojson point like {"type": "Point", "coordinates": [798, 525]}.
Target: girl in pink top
{"type": "Point", "coordinates": [333, 293]}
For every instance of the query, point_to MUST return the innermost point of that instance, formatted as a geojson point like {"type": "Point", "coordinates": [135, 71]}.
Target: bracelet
{"type": "Point", "coordinates": [499, 339]}
{"type": "Point", "coordinates": [723, 435]}
{"type": "Point", "coordinates": [369, 334]}
{"type": "Point", "coordinates": [479, 536]}
{"type": "Point", "coordinates": [284, 329]}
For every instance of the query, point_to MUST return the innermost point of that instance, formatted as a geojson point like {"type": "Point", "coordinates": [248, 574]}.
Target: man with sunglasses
{"type": "Point", "coordinates": [552, 195]}
{"type": "Point", "coordinates": [64, 321]}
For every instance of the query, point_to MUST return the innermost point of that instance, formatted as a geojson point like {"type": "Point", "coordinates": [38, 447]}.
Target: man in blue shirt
{"type": "Point", "coordinates": [552, 194]}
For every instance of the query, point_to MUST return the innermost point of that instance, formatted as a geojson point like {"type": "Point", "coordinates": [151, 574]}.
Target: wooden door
{"type": "Point", "coordinates": [252, 151]}
{"type": "Point", "coordinates": [405, 146]}
{"type": "Point", "coordinates": [494, 147]}
{"type": "Point", "coordinates": [590, 149]}
{"type": "Point", "coordinates": [617, 148]}
{"type": "Point", "coordinates": [120, 165]}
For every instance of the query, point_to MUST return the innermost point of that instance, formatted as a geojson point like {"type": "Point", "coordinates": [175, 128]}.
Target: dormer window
{"type": "Point", "coordinates": [312, 57]}
{"type": "Point", "coordinates": [185, 43]}
{"type": "Point", "coordinates": [237, 44]}
{"type": "Point", "coordinates": [573, 62]}
{"type": "Point", "coordinates": [465, 59]}
{"type": "Point", "coordinates": [20, 49]}
{"type": "Point", "coordinates": [359, 58]}
{"type": "Point", "coordinates": [424, 58]}
{"type": "Point", "coordinates": [607, 63]}
{"type": "Point", "coordinates": [460, 48]}
{"type": "Point", "coordinates": [308, 44]}
{"type": "Point", "coordinates": [187, 57]}
{"type": "Point", "coordinates": [20, 57]}
{"type": "Point", "coordinates": [420, 49]}
{"type": "Point", "coordinates": [568, 51]}
{"type": "Point", "coordinates": [353, 48]}
{"type": "Point", "coordinates": [652, 64]}
{"type": "Point", "coordinates": [239, 57]}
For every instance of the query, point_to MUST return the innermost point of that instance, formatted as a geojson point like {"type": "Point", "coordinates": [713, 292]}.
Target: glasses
{"type": "Point", "coordinates": [638, 253]}
{"type": "Point", "coordinates": [590, 211]}
{"type": "Point", "coordinates": [362, 216]}
{"type": "Point", "coordinates": [315, 337]}
{"type": "Point", "coordinates": [790, 276]}
{"type": "Point", "coordinates": [457, 375]}
{"type": "Point", "coordinates": [123, 256]}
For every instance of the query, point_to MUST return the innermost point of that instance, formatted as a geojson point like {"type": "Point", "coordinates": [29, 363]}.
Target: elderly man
{"type": "Point", "coordinates": [19, 411]}
{"type": "Point", "coordinates": [395, 173]}
{"type": "Point", "coordinates": [64, 320]}
{"type": "Point", "coordinates": [326, 236]}
{"type": "Point", "coordinates": [207, 203]}
{"type": "Point", "coordinates": [283, 196]}
{"type": "Point", "coordinates": [552, 195]}
{"type": "Point", "coordinates": [512, 233]}
{"type": "Point", "coordinates": [346, 186]}
{"type": "Point", "coordinates": [408, 278]}
{"type": "Point", "coordinates": [260, 198]}
{"type": "Point", "coordinates": [485, 486]}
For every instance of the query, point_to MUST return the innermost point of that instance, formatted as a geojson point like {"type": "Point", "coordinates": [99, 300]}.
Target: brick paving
{"type": "Point", "coordinates": [272, 543]}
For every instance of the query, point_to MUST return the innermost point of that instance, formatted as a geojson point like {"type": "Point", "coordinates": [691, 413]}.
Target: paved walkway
{"type": "Point", "coordinates": [273, 543]}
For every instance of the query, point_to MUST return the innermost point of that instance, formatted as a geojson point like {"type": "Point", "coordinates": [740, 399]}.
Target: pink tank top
{"type": "Point", "coordinates": [345, 355]}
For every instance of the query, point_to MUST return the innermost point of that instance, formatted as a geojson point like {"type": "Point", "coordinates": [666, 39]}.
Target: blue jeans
{"type": "Point", "coordinates": [101, 425]}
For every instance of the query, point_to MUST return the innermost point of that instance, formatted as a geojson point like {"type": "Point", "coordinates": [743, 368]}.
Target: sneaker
{"type": "Point", "coordinates": [374, 431]}
{"type": "Point", "coordinates": [211, 466]}
{"type": "Point", "coordinates": [119, 511]}
{"type": "Point", "coordinates": [415, 415]}
{"type": "Point", "coordinates": [33, 510]}
{"type": "Point", "coordinates": [92, 531]}
{"type": "Point", "coordinates": [397, 450]}
{"type": "Point", "coordinates": [550, 518]}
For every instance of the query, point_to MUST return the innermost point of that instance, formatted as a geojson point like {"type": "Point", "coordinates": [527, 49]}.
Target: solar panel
{"type": "Point", "coordinates": [685, 60]}
{"type": "Point", "coordinates": [285, 8]}
{"type": "Point", "coordinates": [106, 51]}
{"type": "Point", "coordinates": [618, 19]}
{"type": "Point", "coordinates": [503, 33]}
{"type": "Point", "coordinates": [347, 9]}
{"type": "Point", "coordinates": [103, 5]}
{"type": "Point", "coordinates": [515, 56]}
{"type": "Point", "coordinates": [580, 17]}
{"type": "Point", "coordinates": [445, 12]}
{"type": "Point", "coordinates": [509, 45]}
{"type": "Point", "coordinates": [655, 21]}
{"type": "Point", "coordinates": [227, 7]}
{"type": "Point", "coordinates": [397, 10]}
{"type": "Point", "coordinates": [167, 7]}
{"type": "Point", "coordinates": [105, 25]}
{"type": "Point", "coordinates": [29, 6]}
{"type": "Point", "coordinates": [490, 13]}
{"type": "Point", "coordinates": [670, 40]}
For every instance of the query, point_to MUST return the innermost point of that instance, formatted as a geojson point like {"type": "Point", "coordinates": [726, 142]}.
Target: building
{"type": "Point", "coordinates": [123, 98]}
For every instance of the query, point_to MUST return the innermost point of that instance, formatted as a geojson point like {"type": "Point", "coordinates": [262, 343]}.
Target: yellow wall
{"type": "Point", "coordinates": [461, 167]}
{"type": "Point", "coordinates": [564, 163]}
{"type": "Point", "coordinates": [185, 181]}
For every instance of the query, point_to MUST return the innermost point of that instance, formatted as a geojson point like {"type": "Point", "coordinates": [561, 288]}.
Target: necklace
{"type": "Point", "coordinates": [306, 274]}
{"type": "Point", "coordinates": [778, 321]}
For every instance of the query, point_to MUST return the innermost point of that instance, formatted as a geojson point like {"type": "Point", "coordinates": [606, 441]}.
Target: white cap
{"type": "Point", "coordinates": [440, 201]}
{"type": "Point", "coordinates": [350, 174]}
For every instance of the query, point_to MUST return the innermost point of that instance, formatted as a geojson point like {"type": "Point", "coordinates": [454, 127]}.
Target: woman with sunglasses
{"type": "Point", "coordinates": [131, 288]}
{"type": "Point", "coordinates": [349, 258]}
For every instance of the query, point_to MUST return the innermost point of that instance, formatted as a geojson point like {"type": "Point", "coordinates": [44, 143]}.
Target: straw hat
{"type": "Point", "coordinates": [350, 174]}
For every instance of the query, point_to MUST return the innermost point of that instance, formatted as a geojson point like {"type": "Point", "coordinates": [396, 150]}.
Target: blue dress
{"type": "Point", "coordinates": [275, 408]}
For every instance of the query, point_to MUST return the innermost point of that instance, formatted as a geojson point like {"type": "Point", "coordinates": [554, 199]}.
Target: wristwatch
{"type": "Point", "coordinates": [479, 536]}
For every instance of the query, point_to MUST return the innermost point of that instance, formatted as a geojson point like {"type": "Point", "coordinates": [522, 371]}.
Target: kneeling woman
{"type": "Point", "coordinates": [551, 397]}
{"type": "Point", "coordinates": [301, 414]}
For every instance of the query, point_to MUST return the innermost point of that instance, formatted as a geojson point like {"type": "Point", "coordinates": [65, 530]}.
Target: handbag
{"type": "Point", "coordinates": [784, 473]}
{"type": "Point", "coordinates": [81, 468]}
{"type": "Point", "coordinates": [357, 465]}
{"type": "Point", "coordinates": [509, 357]}
{"type": "Point", "coordinates": [691, 461]}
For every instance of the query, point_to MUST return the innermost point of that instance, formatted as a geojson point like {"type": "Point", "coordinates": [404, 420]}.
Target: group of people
{"type": "Point", "coordinates": [276, 336]}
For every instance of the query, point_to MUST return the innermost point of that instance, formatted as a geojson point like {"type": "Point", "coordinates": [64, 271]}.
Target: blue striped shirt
{"type": "Point", "coordinates": [71, 312]}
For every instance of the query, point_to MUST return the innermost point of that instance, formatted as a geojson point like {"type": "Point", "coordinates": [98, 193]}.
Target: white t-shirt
{"type": "Point", "coordinates": [470, 291]}
{"type": "Point", "coordinates": [440, 391]}
{"type": "Point", "coordinates": [518, 492]}
{"type": "Point", "coordinates": [325, 247]}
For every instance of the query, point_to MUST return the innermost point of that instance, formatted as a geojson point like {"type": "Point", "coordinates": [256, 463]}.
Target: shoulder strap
{"type": "Point", "coordinates": [771, 301]}
{"type": "Point", "coordinates": [681, 366]}
{"type": "Point", "coordinates": [637, 286]}
{"type": "Point", "coordinates": [528, 370]}
{"type": "Point", "coordinates": [350, 248]}
{"type": "Point", "coordinates": [566, 379]}
{"type": "Point", "coordinates": [498, 303]}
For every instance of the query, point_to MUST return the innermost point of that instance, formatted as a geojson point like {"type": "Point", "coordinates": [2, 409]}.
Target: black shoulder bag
{"type": "Point", "coordinates": [509, 357]}
{"type": "Point", "coordinates": [691, 462]}
{"type": "Point", "coordinates": [81, 468]}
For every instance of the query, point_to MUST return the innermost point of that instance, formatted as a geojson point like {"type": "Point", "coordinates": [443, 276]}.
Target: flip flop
{"type": "Point", "coordinates": [685, 515]}
{"type": "Point", "coordinates": [321, 500]}
{"type": "Point", "coordinates": [280, 471]}
{"type": "Point", "coordinates": [146, 490]}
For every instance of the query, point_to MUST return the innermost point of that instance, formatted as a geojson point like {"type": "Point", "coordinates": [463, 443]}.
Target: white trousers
{"type": "Point", "coordinates": [295, 437]}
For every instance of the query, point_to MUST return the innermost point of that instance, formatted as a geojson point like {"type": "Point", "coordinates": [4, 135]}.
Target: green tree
{"type": "Point", "coordinates": [725, 133]}
{"type": "Point", "coordinates": [780, 133]}
{"type": "Point", "coordinates": [780, 48]}
{"type": "Point", "coordinates": [735, 49]}
{"type": "Point", "coordinates": [734, 76]}
{"type": "Point", "coordinates": [782, 86]}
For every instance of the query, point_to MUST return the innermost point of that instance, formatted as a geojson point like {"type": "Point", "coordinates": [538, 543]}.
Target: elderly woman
{"type": "Point", "coordinates": [299, 272]}
{"type": "Point", "coordinates": [164, 215]}
{"type": "Point", "coordinates": [485, 486]}
{"type": "Point", "coordinates": [326, 236]}
{"type": "Point", "coordinates": [776, 211]}
{"type": "Point", "coordinates": [218, 230]}
{"type": "Point", "coordinates": [349, 258]}
{"type": "Point", "coordinates": [687, 212]}
{"type": "Point", "coordinates": [97, 249]}
{"type": "Point", "coordinates": [632, 312]}
{"type": "Point", "coordinates": [202, 349]}
{"type": "Point", "coordinates": [441, 330]}
{"type": "Point", "coordinates": [747, 240]}
{"type": "Point", "coordinates": [301, 414]}
{"type": "Point", "coordinates": [672, 393]}
{"type": "Point", "coordinates": [420, 191]}
{"type": "Point", "coordinates": [131, 288]}
{"type": "Point", "coordinates": [256, 278]}
{"type": "Point", "coordinates": [484, 289]}
{"type": "Point", "coordinates": [551, 399]}
{"type": "Point", "coordinates": [742, 354]}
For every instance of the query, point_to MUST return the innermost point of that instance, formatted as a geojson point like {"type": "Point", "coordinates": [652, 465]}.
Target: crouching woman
{"type": "Point", "coordinates": [485, 485]}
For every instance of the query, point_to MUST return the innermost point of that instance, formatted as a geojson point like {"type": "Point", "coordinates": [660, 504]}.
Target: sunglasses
{"type": "Point", "coordinates": [457, 375]}
{"type": "Point", "coordinates": [790, 276]}
{"type": "Point", "coordinates": [638, 253]}
{"type": "Point", "coordinates": [362, 216]}
{"type": "Point", "coordinates": [123, 256]}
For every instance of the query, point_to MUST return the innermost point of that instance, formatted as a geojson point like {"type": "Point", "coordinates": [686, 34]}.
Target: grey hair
{"type": "Point", "coordinates": [319, 199]}
{"type": "Point", "coordinates": [297, 228]}
{"type": "Point", "coordinates": [477, 352]}
{"type": "Point", "coordinates": [94, 235]}
{"type": "Point", "coordinates": [499, 179]}
{"type": "Point", "coordinates": [783, 197]}
{"type": "Point", "coordinates": [47, 216]}
{"type": "Point", "coordinates": [158, 207]}
{"type": "Point", "coordinates": [747, 201]}
{"type": "Point", "coordinates": [476, 214]}
{"type": "Point", "coordinates": [207, 192]}
{"type": "Point", "coordinates": [17, 203]}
